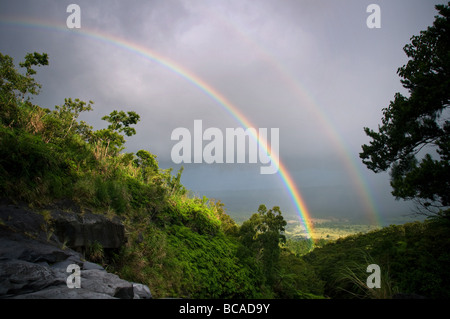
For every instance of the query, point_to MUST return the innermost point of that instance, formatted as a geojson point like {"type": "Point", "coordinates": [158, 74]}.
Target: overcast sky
{"type": "Point", "coordinates": [313, 69]}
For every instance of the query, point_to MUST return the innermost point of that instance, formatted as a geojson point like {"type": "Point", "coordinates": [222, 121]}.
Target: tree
{"type": "Point", "coordinates": [110, 139]}
{"type": "Point", "coordinates": [147, 163]}
{"type": "Point", "coordinates": [262, 234]}
{"type": "Point", "coordinates": [63, 120]}
{"type": "Point", "coordinates": [414, 138]}
{"type": "Point", "coordinates": [14, 86]}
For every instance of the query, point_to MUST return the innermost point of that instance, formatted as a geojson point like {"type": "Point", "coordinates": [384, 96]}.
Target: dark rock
{"type": "Point", "coordinates": [74, 259]}
{"type": "Point", "coordinates": [34, 266]}
{"type": "Point", "coordinates": [17, 246]}
{"type": "Point", "coordinates": [22, 219]}
{"type": "Point", "coordinates": [19, 276]}
{"type": "Point", "coordinates": [69, 228]}
{"type": "Point", "coordinates": [141, 291]}
{"type": "Point", "coordinates": [66, 205]}
{"type": "Point", "coordinates": [102, 282]}
{"type": "Point", "coordinates": [87, 265]}
{"type": "Point", "coordinates": [62, 292]}
{"type": "Point", "coordinates": [82, 230]}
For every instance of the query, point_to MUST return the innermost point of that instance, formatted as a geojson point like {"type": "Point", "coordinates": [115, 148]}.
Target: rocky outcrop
{"type": "Point", "coordinates": [81, 230]}
{"type": "Point", "coordinates": [34, 256]}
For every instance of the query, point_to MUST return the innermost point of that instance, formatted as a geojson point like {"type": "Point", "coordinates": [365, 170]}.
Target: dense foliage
{"type": "Point", "coordinates": [414, 138]}
{"type": "Point", "coordinates": [179, 245]}
{"type": "Point", "coordinates": [414, 259]}
{"type": "Point", "coordinates": [184, 246]}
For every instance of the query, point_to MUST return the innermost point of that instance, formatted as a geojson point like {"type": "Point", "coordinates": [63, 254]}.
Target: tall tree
{"type": "Point", "coordinates": [262, 234]}
{"type": "Point", "coordinates": [414, 138]}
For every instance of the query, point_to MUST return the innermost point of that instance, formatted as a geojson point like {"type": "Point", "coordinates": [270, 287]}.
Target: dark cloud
{"type": "Point", "coordinates": [312, 69]}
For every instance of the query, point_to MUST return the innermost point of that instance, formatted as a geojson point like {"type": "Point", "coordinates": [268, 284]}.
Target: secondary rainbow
{"type": "Point", "coordinates": [293, 82]}
{"type": "Point", "coordinates": [210, 91]}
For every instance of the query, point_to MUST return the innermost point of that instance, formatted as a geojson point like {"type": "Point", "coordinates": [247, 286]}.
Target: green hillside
{"type": "Point", "coordinates": [183, 246]}
{"type": "Point", "coordinates": [179, 245]}
{"type": "Point", "coordinates": [414, 259]}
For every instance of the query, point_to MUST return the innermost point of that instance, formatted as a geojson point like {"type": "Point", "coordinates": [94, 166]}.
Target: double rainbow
{"type": "Point", "coordinates": [210, 91]}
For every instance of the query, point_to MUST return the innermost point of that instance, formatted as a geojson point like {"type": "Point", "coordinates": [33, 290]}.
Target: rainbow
{"type": "Point", "coordinates": [295, 85]}
{"type": "Point", "coordinates": [210, 91]}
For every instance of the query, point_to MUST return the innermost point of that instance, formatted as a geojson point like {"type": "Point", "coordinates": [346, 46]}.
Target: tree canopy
{"type": "Point", "coordinates": [413, 140]}
{"type": "Point", "coordinates": [262, 234]}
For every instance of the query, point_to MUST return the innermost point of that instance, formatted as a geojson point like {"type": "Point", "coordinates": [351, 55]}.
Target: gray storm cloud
{"type": "Point", "coordinates": [312, 69]}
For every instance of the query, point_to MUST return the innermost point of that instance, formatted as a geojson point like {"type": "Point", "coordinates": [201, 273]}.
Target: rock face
{"type": "Point", "coordinates": [81, 230]}
{"type": "Point", "coordinates": [34, 257]}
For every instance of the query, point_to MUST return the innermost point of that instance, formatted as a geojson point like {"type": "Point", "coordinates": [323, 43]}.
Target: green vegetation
{"type": "Point", "coordinates": [185, 246]}
{"type": "Point", "coordinates": [418, 124]}
{"type": "Point", "coordinates": [414, 258]}
{"type": "Point", "coordinates": [179, 245]}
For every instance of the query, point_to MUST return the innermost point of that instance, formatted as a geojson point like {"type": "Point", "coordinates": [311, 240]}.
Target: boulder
{"type": "Point", "coordinates": [82, 230]}
{"type": "Point", "coordinates": [103, 282]}
{"type": "Point", "coordinates": [141, 291]}
{"type": "Point", "coordinates": [21, 219]}
{"type": "Point", "coordinates": [15, 245]}
{"type": "Point", "coordinates": [19, 276]}
{"type": "Point", "coordinates": [33, 264]}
